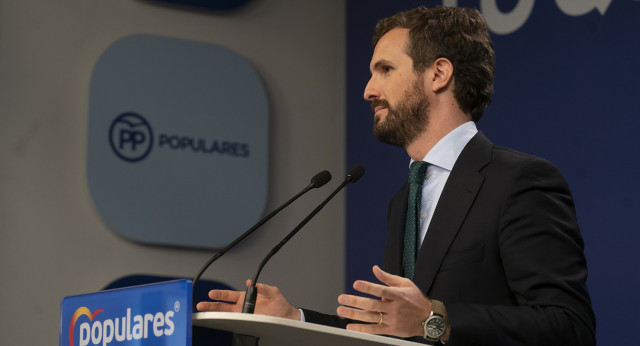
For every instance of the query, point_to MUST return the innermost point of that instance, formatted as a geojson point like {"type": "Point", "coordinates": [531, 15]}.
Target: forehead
{"type": "Point", "coordinates": [391, 48]}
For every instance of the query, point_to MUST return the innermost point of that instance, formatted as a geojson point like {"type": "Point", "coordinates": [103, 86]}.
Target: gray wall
{"type": "Point", "coordinates": [53, 243]}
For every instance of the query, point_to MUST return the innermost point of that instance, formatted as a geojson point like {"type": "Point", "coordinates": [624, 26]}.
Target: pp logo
{"type": "Point", "coordinates": [131, 137]}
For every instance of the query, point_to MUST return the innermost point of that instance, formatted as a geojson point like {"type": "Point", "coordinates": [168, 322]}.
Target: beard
{"type": "Point", "coordinates": [406, 121]}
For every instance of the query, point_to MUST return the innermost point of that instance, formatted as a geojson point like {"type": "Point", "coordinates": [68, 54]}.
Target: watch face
{"type": "Point", "coordinates": [435, 327]}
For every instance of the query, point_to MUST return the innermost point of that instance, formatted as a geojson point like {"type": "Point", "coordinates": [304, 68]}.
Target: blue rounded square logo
{"type": "Point", "coordinates": [177, 141]}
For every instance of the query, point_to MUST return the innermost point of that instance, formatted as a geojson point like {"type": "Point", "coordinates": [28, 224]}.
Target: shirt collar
{"type": "Point", "coordinates": [445, 153]}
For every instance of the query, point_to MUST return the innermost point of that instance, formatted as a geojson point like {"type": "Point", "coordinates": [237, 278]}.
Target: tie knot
{"type": "Point", "coordinates": [417, 171]}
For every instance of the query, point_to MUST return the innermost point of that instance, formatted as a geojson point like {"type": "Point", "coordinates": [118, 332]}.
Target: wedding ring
{"type": "Point", "coordinates": [380, 322]}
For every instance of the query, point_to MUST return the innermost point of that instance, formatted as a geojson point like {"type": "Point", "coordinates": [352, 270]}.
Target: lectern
{"type": "Point", "coordinates": [160, 314]}
{"type": "Point", "coordinates": [274, 331]}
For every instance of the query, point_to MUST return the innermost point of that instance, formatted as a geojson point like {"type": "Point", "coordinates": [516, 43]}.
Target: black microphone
{"type": "Point", "coordinates": [251, 295]}
{"type": "Point", "coordinates": [318, 180]}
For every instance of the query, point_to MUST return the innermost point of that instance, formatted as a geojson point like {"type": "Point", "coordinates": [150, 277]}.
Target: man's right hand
{"type": "Point", "coordinates": [270, 302]}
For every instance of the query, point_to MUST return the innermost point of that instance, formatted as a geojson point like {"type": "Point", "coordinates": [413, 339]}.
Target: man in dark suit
{"type": "Point", "coordinates": [490, 252]}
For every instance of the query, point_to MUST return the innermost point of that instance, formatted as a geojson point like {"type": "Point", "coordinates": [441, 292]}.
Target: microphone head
{"type": "Point", "coordinates": [355, 173]}
{"type": "Point", "coordinates": [320, 179]}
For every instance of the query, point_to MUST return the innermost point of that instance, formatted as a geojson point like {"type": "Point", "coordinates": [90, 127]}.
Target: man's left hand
{"type": "Point", "coordinates": [400, 310]}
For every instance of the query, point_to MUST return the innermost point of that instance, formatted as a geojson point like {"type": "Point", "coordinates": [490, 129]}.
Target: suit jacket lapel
{"type": "Point", "coordinates": [396, 219]}
{"type": "Point", "coordinates": [458, 195]}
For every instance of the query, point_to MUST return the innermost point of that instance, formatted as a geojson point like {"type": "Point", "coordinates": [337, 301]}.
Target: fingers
{"type": "Point", "coordinates": [362, 303]}
{"type": "Point", "coordinates": [368, 328]}
{"type": "Point", "coordinates": [238, 296]}
{"type": "Point", "coordinates": [268, 291]}
{"type": "Point", "coordinates": [372, 289]}
{"type": "Point", "coordinates": [360, 315]}
{"type": "Point", "coordinates": [226, 295]}
{"type": "Point", "coordinates": [218, 307]}
{"type": "Point", "coordinates": [265, 290]}
{"type": "Point", "coordinates": [374, 321]}
{"type": "Point", "coordinates": [390, 279]}
{"type": "Point", "coordinates": [387, 291]}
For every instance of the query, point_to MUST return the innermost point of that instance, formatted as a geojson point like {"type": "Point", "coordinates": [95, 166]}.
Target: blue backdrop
{"type": "Point", "coordinates": [565, 90]}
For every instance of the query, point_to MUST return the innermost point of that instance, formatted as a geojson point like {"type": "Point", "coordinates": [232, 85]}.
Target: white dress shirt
{"type": "Point", "coordinates": [441, 159]}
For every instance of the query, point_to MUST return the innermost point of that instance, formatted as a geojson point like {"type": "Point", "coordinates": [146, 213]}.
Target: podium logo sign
{"type": "Point", "coordinates": [157, 314]}
{"type": "Point", "coordinates": [177, 142]}
{"type": "Point", "coordinates": [125, 328]}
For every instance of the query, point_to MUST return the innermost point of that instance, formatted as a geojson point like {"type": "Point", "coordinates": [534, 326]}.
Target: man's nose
{"type": "Point", "coordinates": [371, 91]}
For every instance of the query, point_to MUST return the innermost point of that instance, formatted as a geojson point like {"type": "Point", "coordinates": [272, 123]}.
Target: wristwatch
{"type": "Point", "coordinates": [435, 325]}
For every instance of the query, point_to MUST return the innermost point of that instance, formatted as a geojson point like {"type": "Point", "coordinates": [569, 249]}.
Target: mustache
{"type": "Point", "coordinates": [377, 102]}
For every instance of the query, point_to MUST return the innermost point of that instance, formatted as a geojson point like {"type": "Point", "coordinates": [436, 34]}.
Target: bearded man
{"type": "Point", "coordinates": [483, 245]}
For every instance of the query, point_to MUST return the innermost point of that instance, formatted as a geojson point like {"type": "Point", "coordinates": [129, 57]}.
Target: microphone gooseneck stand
{"type": "Point", "coordinates": [251, 295]}
{"type": "Point", "coordinates": [317, 181]}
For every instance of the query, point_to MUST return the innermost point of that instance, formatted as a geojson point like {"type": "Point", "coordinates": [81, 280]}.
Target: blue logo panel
{"type": "Point", "coordinates": [218, 5]}
{"type": "Point", "coordinates": [177, 142]}
{"type": "Point", "coordinates": [157, 314]}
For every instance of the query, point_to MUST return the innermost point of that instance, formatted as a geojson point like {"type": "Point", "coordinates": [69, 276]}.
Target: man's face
{"type": "Point", "coordinates": [396, 92]}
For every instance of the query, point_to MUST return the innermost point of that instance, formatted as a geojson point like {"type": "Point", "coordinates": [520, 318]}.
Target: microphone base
{"type": "Point", "coordinates": [250, 298]}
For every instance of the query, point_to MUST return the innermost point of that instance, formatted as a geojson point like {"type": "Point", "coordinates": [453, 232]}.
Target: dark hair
{"type": "Point", "coordinates": [458, 34]}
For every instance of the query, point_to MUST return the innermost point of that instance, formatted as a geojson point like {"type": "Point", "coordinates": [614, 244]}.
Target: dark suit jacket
{"type": "Point", "coordinates": [503, 252]}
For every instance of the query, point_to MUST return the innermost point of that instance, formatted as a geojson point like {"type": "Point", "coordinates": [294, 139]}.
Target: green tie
{"type": "Point", "coordinates": [416, 177]}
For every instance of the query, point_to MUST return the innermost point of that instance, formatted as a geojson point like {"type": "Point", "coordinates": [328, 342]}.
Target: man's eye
{"type": "Point", "coordinates": [386, 68]}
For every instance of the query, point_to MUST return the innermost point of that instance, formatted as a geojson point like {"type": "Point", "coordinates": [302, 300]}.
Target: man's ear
{"type": "Point", "coordinates": [442, 73]}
